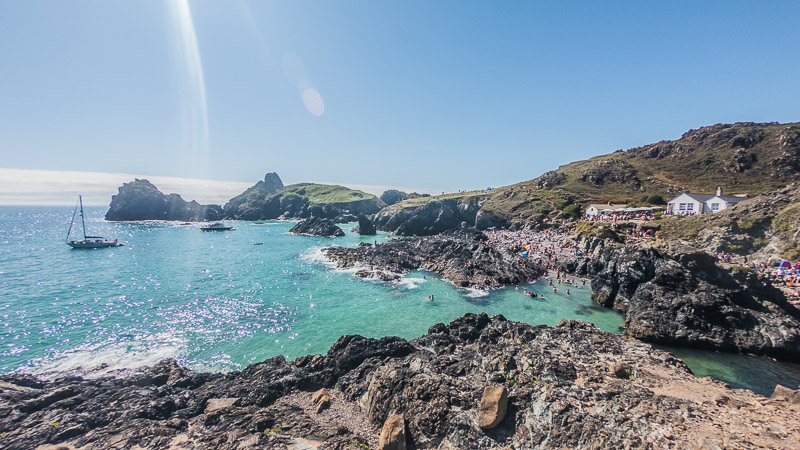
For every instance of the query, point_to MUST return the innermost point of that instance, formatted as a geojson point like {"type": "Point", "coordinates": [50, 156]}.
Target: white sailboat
{"type": "Point", "coordinates": [88, 241]}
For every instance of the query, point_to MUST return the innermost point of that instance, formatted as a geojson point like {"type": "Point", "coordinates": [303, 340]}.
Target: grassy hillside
{"type": "Point", "coordinates": [324, 194]}
{"type": "Point", "coordinates": [742, 158]}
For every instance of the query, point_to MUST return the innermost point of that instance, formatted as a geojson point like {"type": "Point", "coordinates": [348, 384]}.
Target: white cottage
{"type": "Point", "coordinates": [689, 204]}
{"type": "Point", "coordinates": [595, 208]}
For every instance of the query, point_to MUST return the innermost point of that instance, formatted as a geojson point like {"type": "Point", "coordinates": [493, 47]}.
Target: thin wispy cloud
{"type": "Point", "coordinates": [52, 187]}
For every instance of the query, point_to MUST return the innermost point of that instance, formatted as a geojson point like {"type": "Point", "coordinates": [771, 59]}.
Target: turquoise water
{"type": "Point", "coordinates": [216, 301]}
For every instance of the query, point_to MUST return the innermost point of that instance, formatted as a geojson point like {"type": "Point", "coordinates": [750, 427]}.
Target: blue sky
{"type": "Point", "coordinates": [431, 95]}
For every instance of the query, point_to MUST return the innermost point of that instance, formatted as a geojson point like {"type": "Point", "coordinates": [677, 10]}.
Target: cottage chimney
{"type": "Point", "coordinates": [719, 191]}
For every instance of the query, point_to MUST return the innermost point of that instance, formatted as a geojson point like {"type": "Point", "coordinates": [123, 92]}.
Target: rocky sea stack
{"type": "Point", "coordinates": [317, 227]}
{"type": "Point", "coordinates": [141, 200]}
{"type": "Point", "coordinates": [365, 226]}
{"type": "Point", "coordinates": [479, 382]}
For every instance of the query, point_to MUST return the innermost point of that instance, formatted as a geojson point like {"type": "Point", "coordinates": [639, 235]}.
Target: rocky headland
{"type": "Point", "coordinates": [246, 206]}
{"type": "Point", "coordinates": [676, 295]}
{"type": "Point", "coordinates": [316, 226]}
{"type": "Point", "coordinates": [141, 200]}
{"type": "Point", "coordinates": [301, 201]}
{"type": "Point", "coordinates": [478, 382]}
{"type": "Point", "coordinates": [465, 258]}
{"type": "Point", "coordinates": [752, 158]}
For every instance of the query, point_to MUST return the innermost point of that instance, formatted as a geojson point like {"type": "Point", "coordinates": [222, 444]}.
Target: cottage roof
{"type": "Point", "coordinates": [702, 198]}
{"type": "Point", "coordinates": [601, 206]}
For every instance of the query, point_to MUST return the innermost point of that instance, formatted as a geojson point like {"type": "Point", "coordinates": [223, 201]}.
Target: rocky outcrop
{"type": "Point", "coordinates": [559, 395]}
{"type": "Point", "coordinates": [365, 226]}
{"type": "Point", "coordinates": [392, 196]}
{"type": "Point", "coordinates": [675, 295]}
{"type": "Point", "coordinates": [245, 205]}
{"type": "Point", "coordinates": [301, 201]}
{"type": "Point", "coordinates": [141, 200]}
{"type": "Point", "coordinates": [430, 216]}
{"type": "Point", "coordinates": [317, 227]}
{"type": "Point", "coordinates": [462, 257]}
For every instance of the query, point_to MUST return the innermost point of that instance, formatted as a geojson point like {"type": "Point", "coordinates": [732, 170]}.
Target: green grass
{"type": "Point", "coordinates": [695, 162]}
{"type": "Point", "coordinates": [323, 194]}
{"type": "Point", "coordinates": [455, 195]}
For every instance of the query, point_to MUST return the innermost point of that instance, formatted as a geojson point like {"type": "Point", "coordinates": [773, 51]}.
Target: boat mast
{"type": "Point", "coordinates": [72, 221]}
{"type": "Point", "coordinates": [82, 221]}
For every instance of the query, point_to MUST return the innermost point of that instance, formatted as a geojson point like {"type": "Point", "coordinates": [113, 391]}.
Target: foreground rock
{"type": "Point", "coordinates": [317, 227]}
{"type": "Point", "coordinates": [141, 200]}
{"type": "Point", "coordinates": [675, 295]}
{"type": "Point", "coordinates": [464, 257]}
{"type": "Point", "coordinates": [560, 391]}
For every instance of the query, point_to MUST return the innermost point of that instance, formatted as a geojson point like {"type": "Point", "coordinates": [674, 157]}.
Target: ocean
{"type": "Point", "coordinates": [218, 301]}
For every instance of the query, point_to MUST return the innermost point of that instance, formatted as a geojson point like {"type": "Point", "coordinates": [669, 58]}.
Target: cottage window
{"type": "Point", "coordinates": [686, 207]}
{"type": "Point", "coordinates": [715, 206]}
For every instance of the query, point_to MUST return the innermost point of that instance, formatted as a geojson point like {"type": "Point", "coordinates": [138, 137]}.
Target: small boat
{"type": "Point", "coordinates": [88, 241]}
{"type": "Point", "coordinates": [217, 226]}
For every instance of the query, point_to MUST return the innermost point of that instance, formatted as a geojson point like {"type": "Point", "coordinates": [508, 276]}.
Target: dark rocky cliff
{"type": "Point", "coordinates": [141, 200]}
{"type": "Point", "coordinates": [429, 215]}
{"type": "Point", "coordinates": [243, 205]}
{"type": "Point", "coordinates": [676, 295]}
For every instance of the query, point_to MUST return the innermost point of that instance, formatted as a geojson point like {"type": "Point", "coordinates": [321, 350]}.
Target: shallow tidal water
{"type": "Point", "coordinates": [216, 301]}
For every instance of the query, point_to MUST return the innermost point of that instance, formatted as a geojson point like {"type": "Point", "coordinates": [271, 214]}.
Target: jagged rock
{"type": "Point", "coordinates": [321, 399]}
{"type": "Point", "coordinates": [220, 404]}
{"type": "Point", "coordinates": [247, 205]}
{"type": "Point", "coordinates": [782, 393]}
{"type": "Point", "coordinates": [494, 404]}
{"type": "Point", "coordinates": [317, 227]}
{"type": "Point", "coordinates": [560, 396]}
{"type": "Point", "coordinates": [365, 226]}
{"type": "Point", "coordinates": [141, 200]}
{"type": "Point", "coordinates": [430, 217]}
{"type": "Point", "coordinates": [392, 196]}
{"type": "Point", "coordinates": [463, 257]}
{"type": "Point", "coordinates": [677, 295]}
{"type": "Point", "coordinates": [393, 433]}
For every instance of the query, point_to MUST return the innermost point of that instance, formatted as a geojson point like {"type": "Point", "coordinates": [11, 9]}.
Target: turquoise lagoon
{"type": "Point", "coordinates": [217, 301]}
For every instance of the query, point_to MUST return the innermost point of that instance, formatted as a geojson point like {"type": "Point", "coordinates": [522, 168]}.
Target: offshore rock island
{"type": "Point", "coordinates": [479, 382]}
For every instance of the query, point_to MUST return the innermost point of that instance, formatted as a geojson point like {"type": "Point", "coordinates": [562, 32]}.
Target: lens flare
{"type": "Point", "coordinates": [313, 102]}
{"type": "Point", "coordinates": [195, 152]}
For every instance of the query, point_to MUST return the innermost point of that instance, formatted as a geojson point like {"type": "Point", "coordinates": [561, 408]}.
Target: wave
{"type": "Point", "coordinates": [103, 359]}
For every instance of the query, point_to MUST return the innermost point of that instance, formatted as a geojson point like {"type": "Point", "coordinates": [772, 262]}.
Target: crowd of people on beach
{"type": "Point", "coordinates": [548, 249]}
{"type": "Point", "coordinates": [621, 217]}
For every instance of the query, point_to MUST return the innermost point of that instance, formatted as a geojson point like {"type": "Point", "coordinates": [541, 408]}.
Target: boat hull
{"type": "Point", "coordinates": [217, 229]}
{"type": "Point", "coordinates": [94, 243]}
